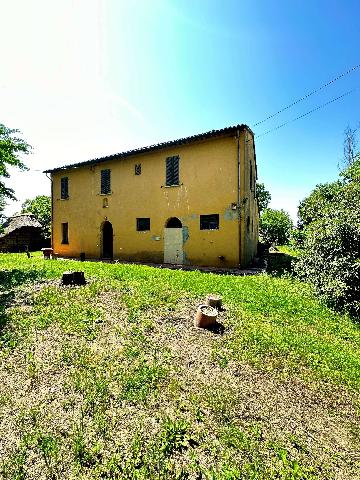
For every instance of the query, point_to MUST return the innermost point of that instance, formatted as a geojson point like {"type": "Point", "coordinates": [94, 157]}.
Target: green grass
{"type": "Point", "coordinates": [110, 380]}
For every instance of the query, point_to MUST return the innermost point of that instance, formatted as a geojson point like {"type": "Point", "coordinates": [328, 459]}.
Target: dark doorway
{"type": "Point", "coordinates": [107, 240]}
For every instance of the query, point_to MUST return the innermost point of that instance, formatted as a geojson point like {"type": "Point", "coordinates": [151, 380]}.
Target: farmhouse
{"type": "Point", "coordinates": [188, 201]}
{"type": "Point", "coordinates": [21, 232]}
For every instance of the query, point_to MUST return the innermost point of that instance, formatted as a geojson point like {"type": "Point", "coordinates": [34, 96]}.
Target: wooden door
{"type": "Point", "coordinates": [173, 246]}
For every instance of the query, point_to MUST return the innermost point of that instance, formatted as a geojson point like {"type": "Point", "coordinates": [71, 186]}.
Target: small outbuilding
{"type": "Point", "coordinates": [21, 232]}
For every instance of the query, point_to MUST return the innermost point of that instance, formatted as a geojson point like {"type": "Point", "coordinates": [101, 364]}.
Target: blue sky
{"type": "Point", "coordinates": [88, 78]}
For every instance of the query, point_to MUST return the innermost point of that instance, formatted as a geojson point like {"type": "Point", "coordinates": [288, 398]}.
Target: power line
{"type": "Point", "coordinates": [308, 113]}
{"type": "Point", "coordinates": [308, 95]}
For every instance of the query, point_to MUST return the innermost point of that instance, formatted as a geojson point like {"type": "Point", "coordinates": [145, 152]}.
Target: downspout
{"type": "Point", "coordinates": [238, 191]}
{"type": "Point", "coordinates": [52, 211]}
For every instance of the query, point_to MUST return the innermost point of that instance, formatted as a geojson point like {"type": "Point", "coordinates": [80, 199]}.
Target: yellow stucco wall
{"type": "Point", "coordinates": [208, 185]}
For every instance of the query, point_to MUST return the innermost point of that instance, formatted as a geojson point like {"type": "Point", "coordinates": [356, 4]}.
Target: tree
{"type": "Point", "coordinates": [349, 146]}
{"type": "Point", "coordinates": [329, 257]}
{"type": "Point", "coordinates": [263, 196]}
{"type": "Point", "coordinates": [275, 226]}
{"type": "Point", "coordinates": [40, 207]}
{"type": "Point", "coordinates": [11, 147]}
{"type": "Point", "coordinates": [316, 204]}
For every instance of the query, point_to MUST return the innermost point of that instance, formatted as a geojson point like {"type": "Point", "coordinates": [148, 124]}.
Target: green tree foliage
{"type": "Point", "coordinates": [275, 226]}
{"type": "Point", "coordinates": [317, 203]}
{"type": "Point", "coordinates": [330, 255]}
{"type": "Point", "coordinates": [11, 147]}
{"type": "Point", "coordinates": [40, 207]}
{"type": "Point", "coordinates": [263, 196]}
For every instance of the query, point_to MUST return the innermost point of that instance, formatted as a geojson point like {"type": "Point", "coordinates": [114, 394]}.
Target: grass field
{"type": "Point", "coordinates": [112, 381]}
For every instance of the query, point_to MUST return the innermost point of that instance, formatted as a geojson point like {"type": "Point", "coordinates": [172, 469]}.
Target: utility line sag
{"type": "Point", "coordinates": [308, 95]}
{"type": "Point", "coordinates": [308, 113]}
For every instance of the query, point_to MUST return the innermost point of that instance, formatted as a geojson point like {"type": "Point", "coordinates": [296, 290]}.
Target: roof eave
{"type": "Point", "coordinates": [160, 146]}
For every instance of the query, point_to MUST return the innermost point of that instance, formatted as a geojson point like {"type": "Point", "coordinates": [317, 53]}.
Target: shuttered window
{"type": "Point", "coordinates": [138, 169]}
{"type": "Point", "coordinates": [64, 188]}
{"type": "Point", "coordinates": [142, 224]}
{"type": "Point", "coordinates": [209, 222]}
{"type": "Point", "coordinates": [105, 181]}
{"type": "Point", "coordinates": [172, 171]}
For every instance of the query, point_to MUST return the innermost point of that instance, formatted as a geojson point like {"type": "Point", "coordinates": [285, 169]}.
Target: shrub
{"type": "Point", "coordinates": [330, 255]}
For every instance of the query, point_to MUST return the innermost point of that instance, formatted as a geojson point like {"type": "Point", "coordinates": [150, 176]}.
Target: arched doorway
{"type": "Point", "coordinates": [173, 241]}
{"type": "Point", "coordinates": [107, 240]}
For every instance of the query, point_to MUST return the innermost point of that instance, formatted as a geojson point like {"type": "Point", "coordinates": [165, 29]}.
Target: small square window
{"type": "Point", "coordinates": [138, 169]}
{"type": "Point", "coordinates": [142, 224]}
{"type": "Point", "coordinates": [209, 222]}
{"type": "Point", "coordinates": [64, 188]}
{"type": "Point", "coordinates": [65, 233]}
{"type": "Point", "coordinates": [105, 182]}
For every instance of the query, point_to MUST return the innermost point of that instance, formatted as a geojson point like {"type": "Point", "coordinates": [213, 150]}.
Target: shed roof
{"type": "Point", "coordinates": [159, 146]}
{"type": "Point", "coordinates": [18, 221]}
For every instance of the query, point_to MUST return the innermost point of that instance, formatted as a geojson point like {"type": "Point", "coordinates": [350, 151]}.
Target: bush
{"type": "Point", "coordinates": [330, 255]}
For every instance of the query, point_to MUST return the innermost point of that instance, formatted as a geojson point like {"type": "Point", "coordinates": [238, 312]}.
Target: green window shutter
{"type": "Point", "coordinates": [176, 171]}
{"type": "Point", "coordinates": [172, 171]}
{"type": "Point", "coordinates": [169, 171]}
{"type": "Point", "coordinates": [105, 181]}
{"type": "Point", "coordinates": [64, 188]}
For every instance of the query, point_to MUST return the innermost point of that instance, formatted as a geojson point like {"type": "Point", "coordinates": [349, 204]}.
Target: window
{"type": "Point", "coordinates": [172, 171]}
{"type": "Point", "coordinates": [209, 222]}
{"type": "Point", "coordinates": [64, 188]}
{"type": "Point", "coordinates": [138, 169]}
{"type": "Point", "coordinates": [105, 182]}
{"type": "Point", "coordinates": [142, 224]}
{"type": "Point", "coordinates": [65, 232]}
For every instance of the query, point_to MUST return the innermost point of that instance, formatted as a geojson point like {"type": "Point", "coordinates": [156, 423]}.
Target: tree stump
{"type": "Point", "coordinates": [214, 301]}
{"type": "Point", "coordinates": [205, 316]}
{"type": "Point", "coordinates": [73, 278]}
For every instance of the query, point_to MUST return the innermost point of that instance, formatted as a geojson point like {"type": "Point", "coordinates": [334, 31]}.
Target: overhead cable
{"type": "Point", "coordinates": [308, 95]}
{"type": "Point", "coordinates": [308, 113]}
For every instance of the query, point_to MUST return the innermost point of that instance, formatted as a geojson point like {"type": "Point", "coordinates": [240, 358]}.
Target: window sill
{"type": "Point", "coordinates": [68, 198]}
{"type": "Point", "coordinates": [105, 194]}
{"type": "Point", "coordinates": [172, 186]}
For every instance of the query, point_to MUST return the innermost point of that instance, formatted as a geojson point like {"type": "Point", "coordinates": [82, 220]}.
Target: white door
{"type": "Point", "coordinates": [173, 246]}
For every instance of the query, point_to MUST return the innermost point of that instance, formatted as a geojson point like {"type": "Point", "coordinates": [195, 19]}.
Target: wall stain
{"type": "Point", "coordinates": [230, 214]}
{"type": "Point", "coordinates": [185, 233]}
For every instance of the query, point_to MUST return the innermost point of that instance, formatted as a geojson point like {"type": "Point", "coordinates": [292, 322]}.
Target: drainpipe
{"type": "Point", "coordinates": [52, 211]}
{"type": "Point", "coordinates": [238, 190]}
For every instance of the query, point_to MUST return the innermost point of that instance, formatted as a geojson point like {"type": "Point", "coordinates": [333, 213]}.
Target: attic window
{"type": "Point", "coordinates": [64, 188]}
{"type": "Point", "coordinates": [209, 222]}
{"type": "Point", "coordinates": [105, 181]}
{"type": "Point", "coordinates": [138, 169]}
{"type": "Point", "coordinates": [172, 171]}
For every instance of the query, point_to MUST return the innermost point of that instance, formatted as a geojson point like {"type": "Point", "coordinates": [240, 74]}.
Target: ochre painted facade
{"type": "Point", "coordinates": [211, 168]}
